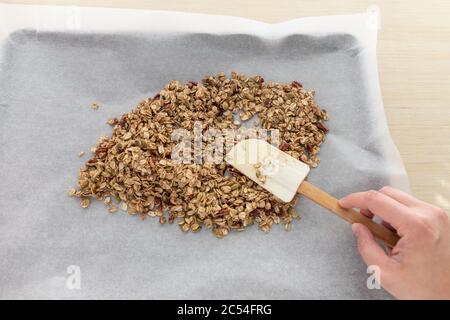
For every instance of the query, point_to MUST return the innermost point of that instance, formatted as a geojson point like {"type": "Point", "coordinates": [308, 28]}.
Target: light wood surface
{"type": "Point", "coordinates": [414, 66]}
{"type": "Point", "coordinates": [351, 216]}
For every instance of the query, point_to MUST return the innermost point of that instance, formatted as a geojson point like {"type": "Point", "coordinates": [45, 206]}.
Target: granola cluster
{"type": "Point", "coordinates": [133, 170]}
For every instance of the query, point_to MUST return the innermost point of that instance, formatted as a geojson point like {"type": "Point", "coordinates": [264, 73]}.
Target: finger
{"type": "Point", "coordinates": [367, 213]}
{"type": "Point", "coordinates": [401, 196]}
{"type": "Point", "coordinates": [370, 251]}
{"type": "Point", "coordinates": [379, 204]}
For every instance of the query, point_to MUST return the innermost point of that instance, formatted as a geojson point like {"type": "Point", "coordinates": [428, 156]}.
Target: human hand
{"type": "Point", "coordinates": [418, 266]}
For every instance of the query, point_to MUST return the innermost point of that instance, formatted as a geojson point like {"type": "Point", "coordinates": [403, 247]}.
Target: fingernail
{"type": "Point", "coordinates": [355, 229]}
{"type": "Point", "coordinates": [341, 201]}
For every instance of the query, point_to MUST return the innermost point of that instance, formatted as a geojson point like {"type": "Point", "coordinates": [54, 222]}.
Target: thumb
{"type": "Point", "coordinates": [370, 250]}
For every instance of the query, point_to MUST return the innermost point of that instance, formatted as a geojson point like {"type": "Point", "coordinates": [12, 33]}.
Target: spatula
{"type": "Point", "coordinates": [284, 176]}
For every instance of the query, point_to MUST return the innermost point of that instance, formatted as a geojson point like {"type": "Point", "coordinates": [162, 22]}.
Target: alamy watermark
{"type": "Point", "coordinates": [374, 280]}
{"type": "Point", "coordinates": [205, 145]}
{"type": "Point", "coordinates": [73, 280]}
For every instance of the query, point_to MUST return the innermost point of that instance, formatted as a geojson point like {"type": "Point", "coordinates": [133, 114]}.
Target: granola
{"type": "Point", "coordinates": [261, 177]}
{"type": "Point", "coordinates": [133, 166]}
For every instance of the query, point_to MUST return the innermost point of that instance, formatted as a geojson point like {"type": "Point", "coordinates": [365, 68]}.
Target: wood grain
{"type": "Point", "coordinates": [414, 66]}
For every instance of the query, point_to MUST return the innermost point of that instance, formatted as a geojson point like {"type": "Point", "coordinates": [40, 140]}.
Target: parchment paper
{"type": "Point", "coordinates": [56, 61]}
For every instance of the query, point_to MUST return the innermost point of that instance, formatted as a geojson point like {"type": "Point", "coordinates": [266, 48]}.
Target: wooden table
{"type": "Point", "coordinates": [414, 66]}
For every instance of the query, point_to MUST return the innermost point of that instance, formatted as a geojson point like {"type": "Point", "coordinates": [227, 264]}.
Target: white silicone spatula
{"type": "Point", "coordinates": [284, 176]}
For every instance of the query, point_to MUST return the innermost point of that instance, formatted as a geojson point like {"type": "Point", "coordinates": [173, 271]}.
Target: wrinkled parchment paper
{"type": "Point", "coordinates": [56, 61]}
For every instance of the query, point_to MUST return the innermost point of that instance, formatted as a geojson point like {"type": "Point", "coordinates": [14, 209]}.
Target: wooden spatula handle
{"type": "Point", "coordinates": [325, 200]}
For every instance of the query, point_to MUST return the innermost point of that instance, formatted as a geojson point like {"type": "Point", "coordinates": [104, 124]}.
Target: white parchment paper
{"type": "Point", "coordinates": [56, 61]}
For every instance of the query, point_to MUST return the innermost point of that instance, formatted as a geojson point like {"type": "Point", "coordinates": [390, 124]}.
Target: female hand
{"type": "Point", "coordinates": [418, 267]}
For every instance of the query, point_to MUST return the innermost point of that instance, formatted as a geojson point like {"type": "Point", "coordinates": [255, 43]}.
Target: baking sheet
{"type": "Point", "coordinates": [56, 61]}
